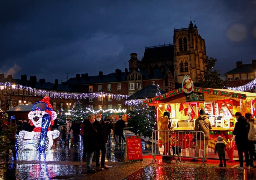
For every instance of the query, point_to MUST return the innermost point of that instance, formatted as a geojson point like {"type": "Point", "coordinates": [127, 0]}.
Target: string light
{"type": "Point", "coordinates": [106, 111]}
{"type": "Point", "coordinates": [247, 87]}
{"type": "Point", "coordinates": [60, 95]}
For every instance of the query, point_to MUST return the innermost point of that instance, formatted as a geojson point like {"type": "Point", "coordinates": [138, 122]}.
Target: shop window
{"type": "Point", "coordinates": [119, 106]}
{"type": "Point", "coordinates": [119, 86]}
{"type": "Point", "coordinates": [99, 88]}
{"type": "Point", "coordinates": [100, 106]}
{"type": "Point", "coordinates": [243, 76]}
{"type": "Point", "coordinates": [90, 88]}
{"type": "Point", "coordinates": [90, 99]}
{"type": "Point", "coordinates": [153, 83]}
{"type": "Point", "coordinates": [131, 86]}
{"type": "Point", "coordinates": [110, 106]}
{"type": "Point", "coordinates": [109, 98]}
{"type": "Point", "coordinates": [54, 105]}
{"type": "Point", "coordinates": [109, 87]}
{"type": "Point", "coordinates": [118, 98]}
{"type": "Point", "coordinates": [100, 98]}
{"type": "Point", "coordinates": [250, 76]}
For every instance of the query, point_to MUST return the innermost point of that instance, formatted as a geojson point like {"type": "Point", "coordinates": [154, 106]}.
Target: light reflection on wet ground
{"type": "Point", "coordinates": [190, 171]}
{"type": "Point", "coordinates": [62, 162]}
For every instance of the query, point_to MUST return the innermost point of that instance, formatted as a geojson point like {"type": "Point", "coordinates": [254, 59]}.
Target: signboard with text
{"type": "Point", "coordinates": [134, 150]}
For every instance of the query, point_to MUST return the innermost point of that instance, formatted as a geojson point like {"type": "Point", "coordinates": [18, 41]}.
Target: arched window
{"type": "Point", "coordinates": [185, 42]}
{"type": "Point", "coordinates": [181, 66]}
{"type": "Point", "coordinates": [186, 66]}
{"type": "Point", "coordinates": [180, 45]}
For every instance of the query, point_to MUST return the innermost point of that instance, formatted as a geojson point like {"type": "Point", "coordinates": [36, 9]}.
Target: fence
{"type": "Point", "coordinates": [191, 144]}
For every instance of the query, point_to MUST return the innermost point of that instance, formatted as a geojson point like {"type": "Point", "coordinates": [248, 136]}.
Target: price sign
{"type": "Point", "coordinates": [134, 150]}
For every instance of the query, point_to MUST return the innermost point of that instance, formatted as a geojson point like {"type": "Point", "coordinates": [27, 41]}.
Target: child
{"type": "Point", "coordinates": [220, 148]}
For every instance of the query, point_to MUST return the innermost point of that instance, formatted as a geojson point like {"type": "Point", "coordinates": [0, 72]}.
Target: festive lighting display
{"type": "Point", "coordinates": [59, 95]}
{"type": "Point", "coordinates": [106, 111]}
{"type": "Point", "coordinates": [247, 87]}
{"type": "Point", "coordinates": [218, 92]}
{"type": "Point", "coordinates": [41, 116]}
{"type": "Point", "coordinates": [134, 102]}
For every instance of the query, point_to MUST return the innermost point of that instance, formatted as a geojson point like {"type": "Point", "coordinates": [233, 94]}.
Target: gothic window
{"type": "Point", "coordinates": [186, 66]}
{"type": "Point", "coordinates": [180, 45]}
{"type": "Point", "coordinates": [185, 42]}
{"type": "Point", "coordinates": [181, 66]}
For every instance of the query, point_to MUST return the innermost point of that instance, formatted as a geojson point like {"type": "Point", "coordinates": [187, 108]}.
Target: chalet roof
{"type": "Point", "coordinates": [147, 92]}
{"type": "Point", "coordinates": [244, 68]}
{"type": "Point", "coordinates": [159, 52]}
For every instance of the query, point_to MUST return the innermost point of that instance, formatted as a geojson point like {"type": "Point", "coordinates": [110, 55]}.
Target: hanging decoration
{"type": "Point", "coordinates": [217, 92]}
{"type": "Point", "coordinates": [247, 87]}
{"type": "Point", "coordinates": [187, 84]}
{"type": "Point", "coordinates": [59, 95]}
{"type": "Point", "coordinates": [181, 107]}
{"type": "Point", "coordinates": [169, 108]}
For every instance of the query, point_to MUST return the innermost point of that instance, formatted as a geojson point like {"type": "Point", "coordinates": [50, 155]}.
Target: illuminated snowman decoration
{"type": "Point", "coordinates": [41, 138]}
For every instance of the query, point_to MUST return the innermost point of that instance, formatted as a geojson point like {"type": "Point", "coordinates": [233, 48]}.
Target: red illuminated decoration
{"type": "Point", "coordinates": [187, 84]}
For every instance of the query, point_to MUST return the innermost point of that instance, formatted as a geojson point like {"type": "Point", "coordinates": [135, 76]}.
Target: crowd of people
{"type": "Point", "coordinates": [244, 135]}
{"type": "Point", "coordinates": [94, 131]}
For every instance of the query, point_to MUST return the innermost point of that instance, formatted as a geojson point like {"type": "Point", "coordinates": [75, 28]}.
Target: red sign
{"type": "Point", "coordinates": [134, 150]}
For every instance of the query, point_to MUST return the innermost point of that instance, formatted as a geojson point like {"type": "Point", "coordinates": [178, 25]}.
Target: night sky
{"type": "Point", "coordinates": [50, 38]}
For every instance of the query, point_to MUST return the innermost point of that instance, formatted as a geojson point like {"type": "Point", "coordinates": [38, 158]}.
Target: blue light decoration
{"type": "Point", "coordinates": [41, 116]}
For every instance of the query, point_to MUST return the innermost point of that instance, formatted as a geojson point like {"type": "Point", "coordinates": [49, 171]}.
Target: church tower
{"type": "Point", "coordinates": [189, 53]}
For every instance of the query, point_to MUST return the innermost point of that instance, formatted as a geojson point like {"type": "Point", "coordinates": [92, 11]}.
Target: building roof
{"type": "Point", "coordinates": [244, 68]}
{"type": "Point", "coordinates": [147, 92]}
{"type": "Point", "coordinates": [112, 77]}
{"type": "Point", "coordinates": [22, 108]}
{"type": "Point", "coordinates": [159, 52]}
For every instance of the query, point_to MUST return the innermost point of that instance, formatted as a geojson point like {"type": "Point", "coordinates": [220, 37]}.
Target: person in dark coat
{"type": "Point", "coordinates": [90, 141]}
{"type": "Point", "coordinates": [240, 132]}
{"type": "Point", "coordinates": [101, 128]}
{"type": "Point", "coordinates": [119, 128]}
{"type": "Point", "coordinates": [76, 131]}
{"type": "Point", "coordinates": [220, 149]}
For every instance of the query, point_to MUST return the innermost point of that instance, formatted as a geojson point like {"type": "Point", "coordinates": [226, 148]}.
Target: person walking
{"type": "Point", "coordinates": [119, 128]}
{"type": "Point", "coordinates": [220, 149]}
{"type": "Point", "coordinates": [251, 138]}
{"type": "Point", "coordinates": [63, 135]}
{"type": "Point", "coordinates": [241, 137]}
{"type": "Point", "coordinates": [202, 123]}
{"type": "Point", "coordinates": [90, 141]}
{"type": "Point", "coordinates": [101, 128]}
{"type": "Point", "coordinates": [76, 132]}
{"type": "Point", "coordinates": [68, 128]}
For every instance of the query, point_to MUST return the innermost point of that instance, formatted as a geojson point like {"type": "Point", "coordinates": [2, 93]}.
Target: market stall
{"type": "Point", "coordinates": [219, 104]}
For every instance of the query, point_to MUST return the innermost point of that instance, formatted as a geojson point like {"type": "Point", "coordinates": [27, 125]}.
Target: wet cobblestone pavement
{"type": "Point", "coordinates": [67, 163]}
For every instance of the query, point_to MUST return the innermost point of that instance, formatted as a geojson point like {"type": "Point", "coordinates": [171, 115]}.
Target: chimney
{"type": "Point", "coordinates": [133, 56]}
{"type": "Point", "coordinates": [32, 80]}
{"type": "Point", "coordinates": [239, 63]}
{"type": "Point", "coordinates": [100, 73]}
{"type": "Point", "coordinates": [9, 76]}
{"type": "Point", "coordinates": [23, 79]}
{"type": "Point", "coordinates": [2, 76]}
{"type": "Point", "coordinates": [77, 76]}
{"type": "Point", "coordinates": [254, 63]}
{"type": "Point", "coordinates": [56, 82]}
{"type": "Point", "coordinates": [42, 81]}
{"type": "Point", "coordinates": [126, 70]}
{"type": "Point", "coordinates": [118, 73]}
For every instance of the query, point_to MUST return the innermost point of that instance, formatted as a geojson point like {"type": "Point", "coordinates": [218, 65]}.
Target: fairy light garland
{"type": "Point", "coordinates": [247, 87]}
{"type": "Point", "coordinates": [60, 95]}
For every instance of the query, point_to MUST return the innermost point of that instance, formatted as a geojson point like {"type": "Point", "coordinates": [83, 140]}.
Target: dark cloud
{"type": "Point", "coordinates": [52, 38]}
